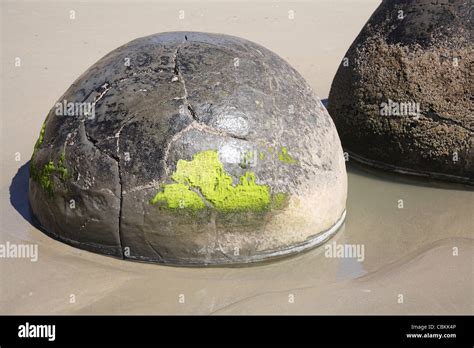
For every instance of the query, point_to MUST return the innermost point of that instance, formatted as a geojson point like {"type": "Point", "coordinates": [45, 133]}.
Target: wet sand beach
{"type": "Point", "coordinates": [417, 236]}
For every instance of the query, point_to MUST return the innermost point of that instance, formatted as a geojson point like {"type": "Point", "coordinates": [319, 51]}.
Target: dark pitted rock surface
{"type": "Point", "coordinates": [402, 97]}
{"type": "Point", "coordinates": [199, 149]}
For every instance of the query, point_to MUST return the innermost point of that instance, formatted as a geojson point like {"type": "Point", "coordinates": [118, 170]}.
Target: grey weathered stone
{"type": "Point", "coordinates": [410, 51]}
{"type": "Point", "coordinates": [181, 95]}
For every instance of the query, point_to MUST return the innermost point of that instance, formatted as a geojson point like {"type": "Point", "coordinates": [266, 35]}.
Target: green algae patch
{"type": "Point", "coordinates": [285, 157]}
{"type": "Point", "coordinates": [33, 172]}
{"type": "Point", "coordinates": [179, 196]}
{"type": "Point", "coordinates": [247, 195]}
{"type": "Point", "coordinates": [261, 155]}
{"type": "Point", "coordinates": [44, 176]}
{"type": "Point", "coordinates": [206, 174]}
{"type": "Point", "coordinates": [61, 168]}
{"type": "Point", "coordinates": [246, 159]}
{"type": "Point", "coordinates": [279, 200]}
{"type": "Point", "coordinates": [40, 140]}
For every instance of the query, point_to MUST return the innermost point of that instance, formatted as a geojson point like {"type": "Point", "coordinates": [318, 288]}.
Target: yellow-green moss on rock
{"type": "Point", "coordinates": [246, 159]}
{"type": "Point", "coordinates": [179, 196]}
{"type": "Point", "coordinates": [205, 173]}
{"type": "Point", "coordinates": [61, 168]}
{"type": "Point", "coordinates": [285, 157]}
{"type": "Point", "coordinates": [279, 200]}
{"type": "Point", "coordinates": [33, 172]}
{"type": "Point", "coordinates": [43, 176]}
{"type": "Point", "coordinates": [40, 140]}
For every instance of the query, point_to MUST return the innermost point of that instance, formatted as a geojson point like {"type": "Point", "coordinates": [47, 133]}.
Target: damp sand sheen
{"type": "Point", "coordinates": [421, 248]}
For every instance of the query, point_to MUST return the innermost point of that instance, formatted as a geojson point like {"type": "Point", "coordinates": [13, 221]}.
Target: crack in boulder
{"type": "Point", "coordinates": [188, 105]}
{"type": "Point", "coordinates": [200, 127]}
{"type": "Point", "coordinates": [196, 124]}
{"type": "Point", "coordinates": [93, 142]}
{"type": "Point", "coordinates": [160, 257]}
{"type": "Point", "coordinates": [180, 77]}
{"type": "Point", "coordinates": [434, 116]}
{"type": "Point", "coordinates": [102, 90]}
{"type": "Point", "coordinates": [117, 149]}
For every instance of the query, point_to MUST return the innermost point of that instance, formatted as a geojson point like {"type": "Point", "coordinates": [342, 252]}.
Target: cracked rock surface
{"type": "Point", "coordinates": [158, 102]}
{"type": "Point", "coordinates": [410, 51]}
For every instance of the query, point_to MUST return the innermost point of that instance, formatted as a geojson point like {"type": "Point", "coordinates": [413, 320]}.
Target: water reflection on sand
{"type": "Point", "coordinates": [409, 251]}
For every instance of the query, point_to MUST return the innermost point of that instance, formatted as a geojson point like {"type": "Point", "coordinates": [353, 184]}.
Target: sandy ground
{"type": "Point", "coordinates": [418, 259]}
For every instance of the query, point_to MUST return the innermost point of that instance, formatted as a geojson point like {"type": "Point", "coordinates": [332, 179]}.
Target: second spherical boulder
{"type": "Point", "coordinates": [402, 97]}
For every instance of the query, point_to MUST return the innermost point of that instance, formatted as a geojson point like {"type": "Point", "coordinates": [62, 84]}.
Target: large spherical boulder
{"type": "Point", "coordinates": [189, 148]}
{"type": "Point", "coordinates": [402, 97]}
